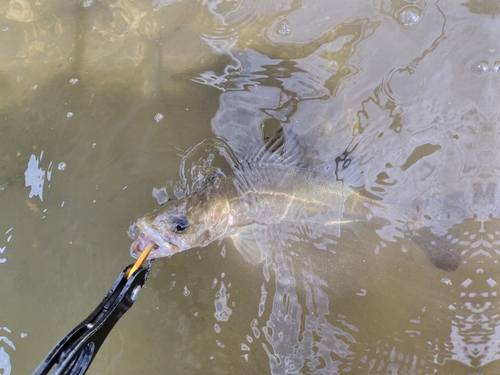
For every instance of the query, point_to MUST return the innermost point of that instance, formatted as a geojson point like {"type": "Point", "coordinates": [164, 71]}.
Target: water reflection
{"type": "Point", "coordinates": [5, 343]}
{"type": "Point", "coordinates": [400, 97]}
{"type": "Point", "coordinates": [425, 136]}
{"type": "Point", "coordinates": [35, 176]}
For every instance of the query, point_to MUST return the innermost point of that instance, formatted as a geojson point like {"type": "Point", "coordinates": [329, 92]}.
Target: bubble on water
{"type": "Point", "coordinates": [398, 109]}
{"type": "Point", "coordinates": [87, 3]}
{"type": "Point", "coordinates": [73, 81]}
{"type": "Point", "coordinates": [158, 117]}
{"type": "Point", "coordinates": [496, 67]}
{"type": "Point", "coordinates": [480, 67]}
{"type": "Point", "coordinates": [283, 28]}
{"type": "Point", "coordinates": [409, 16]}
{"type": "Point", "coordinates": [216, 328]}
{"type": "Point", "coordinates": [6, 28]}
{"type": "Point", "coordinates": [69, 114]}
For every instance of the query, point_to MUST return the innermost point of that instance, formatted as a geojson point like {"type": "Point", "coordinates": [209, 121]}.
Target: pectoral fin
{"type": "Point", "coordinates": [252, 242]}
{"type": "Point", "coordinates": [441, 251]}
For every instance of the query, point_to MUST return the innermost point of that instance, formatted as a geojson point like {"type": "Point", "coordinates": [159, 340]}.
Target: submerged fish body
{"type": "Point", "coordinates": [263, 191]}
{"type": "Point", "coordinates": [241, 206]}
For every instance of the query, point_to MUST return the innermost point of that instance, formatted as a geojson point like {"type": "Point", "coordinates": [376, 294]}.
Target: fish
{"type": "Point", "coordinates": [270, 186]}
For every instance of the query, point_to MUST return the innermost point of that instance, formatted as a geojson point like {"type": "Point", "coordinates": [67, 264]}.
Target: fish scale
{"type": "Point", "coordinates": [274, 194]}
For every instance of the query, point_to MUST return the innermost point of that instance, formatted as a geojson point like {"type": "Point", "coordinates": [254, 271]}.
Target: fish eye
{"type": "Point", "coordinates": [180, 225]}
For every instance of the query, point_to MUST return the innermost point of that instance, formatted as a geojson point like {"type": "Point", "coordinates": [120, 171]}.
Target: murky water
{"type": "Point", "coordinates": [101, 102]}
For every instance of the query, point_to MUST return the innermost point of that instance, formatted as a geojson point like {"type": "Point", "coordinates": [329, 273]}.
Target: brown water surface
{"type": "Point", "coordinates": [101, 102]}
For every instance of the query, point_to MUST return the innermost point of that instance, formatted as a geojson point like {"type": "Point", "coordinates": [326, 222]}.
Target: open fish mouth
{"type": "Point", "coordinates": [158, 251]}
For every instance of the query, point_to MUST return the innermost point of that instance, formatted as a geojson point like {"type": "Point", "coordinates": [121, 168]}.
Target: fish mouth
{"type": "Point", "coordinates": [160, 248]}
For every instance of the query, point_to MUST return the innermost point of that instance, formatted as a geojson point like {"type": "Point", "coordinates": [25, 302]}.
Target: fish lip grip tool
{"type": "Point", "coordinates": [74, 353]}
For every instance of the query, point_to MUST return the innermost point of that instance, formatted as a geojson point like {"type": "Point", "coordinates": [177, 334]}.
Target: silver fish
{"type": "Point", "coordinates": [263, 191]}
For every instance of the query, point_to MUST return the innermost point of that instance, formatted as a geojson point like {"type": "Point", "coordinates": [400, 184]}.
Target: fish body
{"type": "Point", "coordinates": [263, 191]}
{"type": "Point", "coordinates": [241, 205]}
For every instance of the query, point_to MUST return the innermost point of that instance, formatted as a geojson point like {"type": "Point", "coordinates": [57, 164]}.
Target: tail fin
{"type": "Point", "coordinates": [440, 250]}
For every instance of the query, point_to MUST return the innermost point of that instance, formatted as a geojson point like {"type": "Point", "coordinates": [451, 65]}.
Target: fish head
{"type": "Point", "coordinates": [182, 224]}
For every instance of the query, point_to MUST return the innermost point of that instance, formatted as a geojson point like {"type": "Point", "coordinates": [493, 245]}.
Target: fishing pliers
{"type": "Point", "coordinates": [75, 352]}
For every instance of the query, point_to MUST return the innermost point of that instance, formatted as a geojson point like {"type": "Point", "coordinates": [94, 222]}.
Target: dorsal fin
{"type": "Point", "coordinates": [277, 149]}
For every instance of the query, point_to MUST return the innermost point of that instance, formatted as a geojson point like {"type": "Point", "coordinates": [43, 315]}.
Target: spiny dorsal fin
{"type": "Point", "coordinates": [277, 149]}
